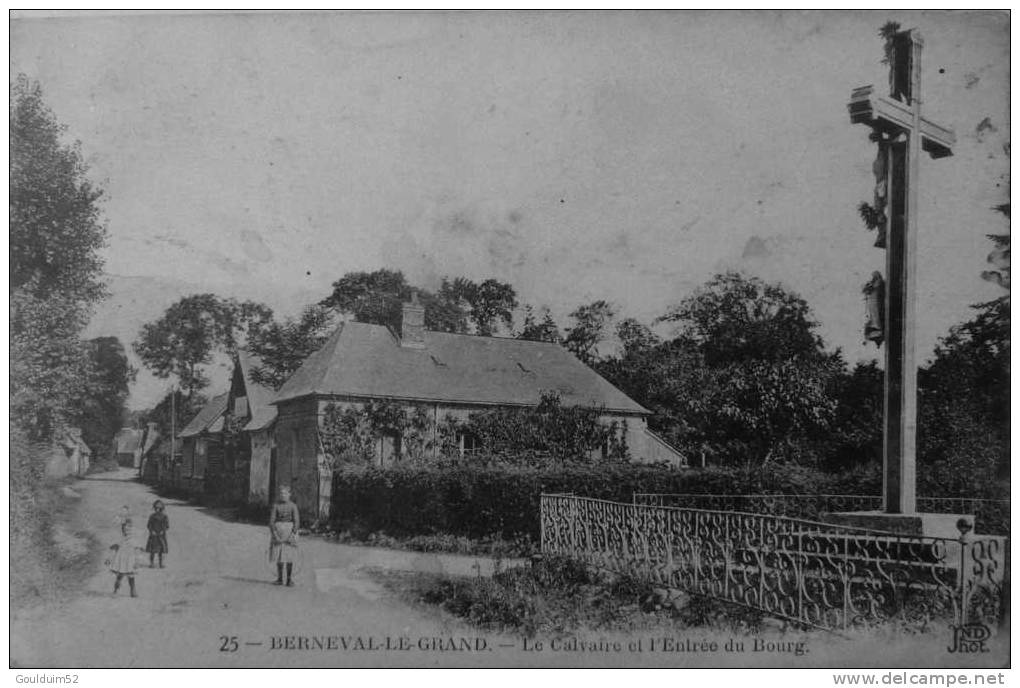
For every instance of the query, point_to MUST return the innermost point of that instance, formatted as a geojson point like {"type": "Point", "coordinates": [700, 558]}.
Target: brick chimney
{"type": "Point", "coordinates": [412, 324]}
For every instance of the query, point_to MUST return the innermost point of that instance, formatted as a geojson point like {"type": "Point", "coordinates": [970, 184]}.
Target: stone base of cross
{"type": "Point", "coordinates": [949, 526]}
{"type": "Point", "coordinates": [902, 134]}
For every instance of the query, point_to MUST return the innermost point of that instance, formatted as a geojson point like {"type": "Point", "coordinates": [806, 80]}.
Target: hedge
{"type": "Point", "coordinates": [485, 501]}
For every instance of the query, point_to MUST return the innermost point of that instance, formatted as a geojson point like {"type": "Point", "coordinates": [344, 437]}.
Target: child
{"type": "Point", "coordinates": [123, 562]}
{"type": "Point", "coordinates": [158, 525]}
{"type": "Point", "coordinates": [123, 515]}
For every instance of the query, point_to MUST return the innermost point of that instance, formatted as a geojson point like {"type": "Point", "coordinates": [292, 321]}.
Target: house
{"type": "Point", "coordinates": [128, 447]}
{"type": "Point", "coordinates": [201, 447]}
{"type": "Point", "coordinates": [68, 454]}
{"type": "Point", "coordinates": [149, 463]}
{"type": "Point", "coordinates": [446, 374]}
{"type": "Point", "coordinates": [248, 435]}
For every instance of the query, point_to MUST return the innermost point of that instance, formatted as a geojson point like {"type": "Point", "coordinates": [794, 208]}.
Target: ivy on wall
{"type": "Point", "coordinates": [548, 431]}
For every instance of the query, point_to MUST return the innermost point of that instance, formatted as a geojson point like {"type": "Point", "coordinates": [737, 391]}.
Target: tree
{"type": "Point", "coordinates": [735, 318]}
{"type": "Point", "coordinates": [191, 330]}
{"type": "Point", "coordinates": [378, 298]}
{"type": "Point", "coordinates": [534, 330]}
{"type": "Point", "coordinates": [371, 297]}
{"type": "Point", "coordinates": [100, 413]}
{"type": "Point", "coordinates": [448, 309]}
{"type": "Point", "coordinates": [636, 337]}
{"type": "Point", "coordinates": [964, 405]}
{"type": "Point", "coordinates": [283, 347]}
{"type": "Point", "coordinates": [744, 381]}
{"type": "Point", "coordinates": [56, 233]}
{"type": "Point", "coordinates": [56, 230]}
{"type": "Point", "coordinates": [492, 302]}
{"type": "Point", "coordinates": [856, 435]}
{"type": "Point", "coordinates": [49, 366]}
{"type": "Point", "coordinates": [174, 411]}
{"type": "Point", "coordinates": [590, 324]}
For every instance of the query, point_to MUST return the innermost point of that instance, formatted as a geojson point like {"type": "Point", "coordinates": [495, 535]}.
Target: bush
{"type": "Point", "coordinates": [40, 569]}
{"type": "Point", "coordinates": [504, 501]}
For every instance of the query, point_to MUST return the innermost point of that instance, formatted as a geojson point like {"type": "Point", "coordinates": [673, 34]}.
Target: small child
{"type": "Point", "coordinates": [123, 515]}
{"type": "Point", "coordinates": [158, 525]}
{"type": "Point", "coordinates": [123, 561]}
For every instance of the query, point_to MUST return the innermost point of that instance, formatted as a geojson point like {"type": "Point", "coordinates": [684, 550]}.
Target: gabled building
{"type": "Point", "coordinates": [248, 433]}
{"type": "Point", "coordinates": [201, 446]}
{"type": "Point", "coordinates": [68, 454]}
{"type": "Point", "coordinates": [128, 447]}
{"type": "Point", "coordinates": [446, 374]}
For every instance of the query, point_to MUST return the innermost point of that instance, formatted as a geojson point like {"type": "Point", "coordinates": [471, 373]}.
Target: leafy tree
{"type": "Point", "coordinates": [101, 412]}
{"type": "Point", "coordinates": [659, 378]}
{"type": "Point", "coordinates": [56, 230]}
{"type": "Point", "coordinates": [191, 330]}
{"type": "Point", "coordinates": [745, 381]}
{"type": "Point", "coordinates": [174, 411]}
{"type": "Point", "coordinates": [964, 407]}
{"type": "Point", "coordinates": [492, 302]}
{"type": "Point", "coordinates": [378, 297]}
{"type": "Point", "coordinates": [371, 297]}
{"type": "Point", "coordinates": [999, 258]}
{"type": "Point", "coordinates": [49, 366]}
{"type": "Point", "coordinates": [734, 318]}
{"type": "Point", "coordinates": [55, 233]}
{"type": "Point", "coordinates": [856, 435]}
{"type": "Point", "coordinates": [964, 404]}
{"type": "Point", "coordinates": [534, 330]}
{"type": "Point", "coordinates": [283, 347]}
{"type": "Point", "coordinates": [590, 324]}
{"type": "Point", "coordinates": [449, 308]}
{"type": "Point", "coordinates": [635, 337]}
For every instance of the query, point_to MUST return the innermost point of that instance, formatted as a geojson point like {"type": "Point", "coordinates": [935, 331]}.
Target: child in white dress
{"type": "Point", "coordinates": [124, 560]}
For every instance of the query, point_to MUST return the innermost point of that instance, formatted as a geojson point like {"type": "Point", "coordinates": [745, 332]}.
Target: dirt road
{"type": "Point", "coordinates": [215, 606]}
{"type": "Point", "coordinates": [216, 599]}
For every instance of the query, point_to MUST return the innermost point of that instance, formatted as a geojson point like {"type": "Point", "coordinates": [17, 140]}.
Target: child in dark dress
{"type": "Point", "coordinates": [158, 525]}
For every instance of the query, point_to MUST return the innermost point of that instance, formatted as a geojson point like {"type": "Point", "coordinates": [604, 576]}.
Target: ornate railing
{"type": "Point", "coordinates": [991, 515]}
{"type": "Point", "coordinates": [812, 573]}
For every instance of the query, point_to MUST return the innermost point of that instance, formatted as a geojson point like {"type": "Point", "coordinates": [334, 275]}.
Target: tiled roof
{"type": "Point", "coordinates": [263, 413]}
{"type": "Point", "coordinates": [204, 419]}
{"type": "Point", "coordinates": [363, 360]}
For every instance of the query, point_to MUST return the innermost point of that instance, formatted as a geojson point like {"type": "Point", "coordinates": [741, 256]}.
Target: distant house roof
{"type": "Point", "coordinates": [363, 360]}
{"type": "Point", "coordinates": [205, 419]}
{"type": "Point", "coordinates": [128, 440]}
{"type": "Point", "coordinates": [260, 398]}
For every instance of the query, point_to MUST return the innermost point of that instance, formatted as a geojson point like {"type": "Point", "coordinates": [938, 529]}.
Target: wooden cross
{"type": "Point", "coordinates": [903, 133]}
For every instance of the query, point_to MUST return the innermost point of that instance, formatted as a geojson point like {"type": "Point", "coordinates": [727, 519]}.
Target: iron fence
{"type": "Point", "coordinates": [812, 573]}
{"type": "Point", "coordinates": [991, 515]}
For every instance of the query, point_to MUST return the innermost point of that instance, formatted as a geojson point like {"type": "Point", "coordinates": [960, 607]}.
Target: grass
{"type": "Point", "coordinates": [494, 546]}
{"type": "Point", "coordinates": [557, 596]}
{"type": "Point", "coordinates": [52, 553]}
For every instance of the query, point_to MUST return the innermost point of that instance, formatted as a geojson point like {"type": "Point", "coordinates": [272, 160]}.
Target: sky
{"type": "Point", "coordinates": [576, 155]}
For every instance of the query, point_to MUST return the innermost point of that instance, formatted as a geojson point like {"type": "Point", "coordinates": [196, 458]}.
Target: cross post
{"type": "Point", "coordinates": [902, 133]}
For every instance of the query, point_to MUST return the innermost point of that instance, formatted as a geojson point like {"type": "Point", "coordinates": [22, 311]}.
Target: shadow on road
{"type": "Point", "coordinates": [92, 477]}
{"type": "Point", "coordinates": [222, 513]}
{"type": "Point", "coordinates": [240, 579]}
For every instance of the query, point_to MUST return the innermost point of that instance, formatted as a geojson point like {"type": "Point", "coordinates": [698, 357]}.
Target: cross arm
{"type": "Point", "coordinates": [886, 113]}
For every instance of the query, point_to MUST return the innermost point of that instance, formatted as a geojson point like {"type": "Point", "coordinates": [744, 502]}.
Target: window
{"type": "Point", "coordinates": [468, 443]}
{"type": "Point", "coordinates": [241, 407]}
